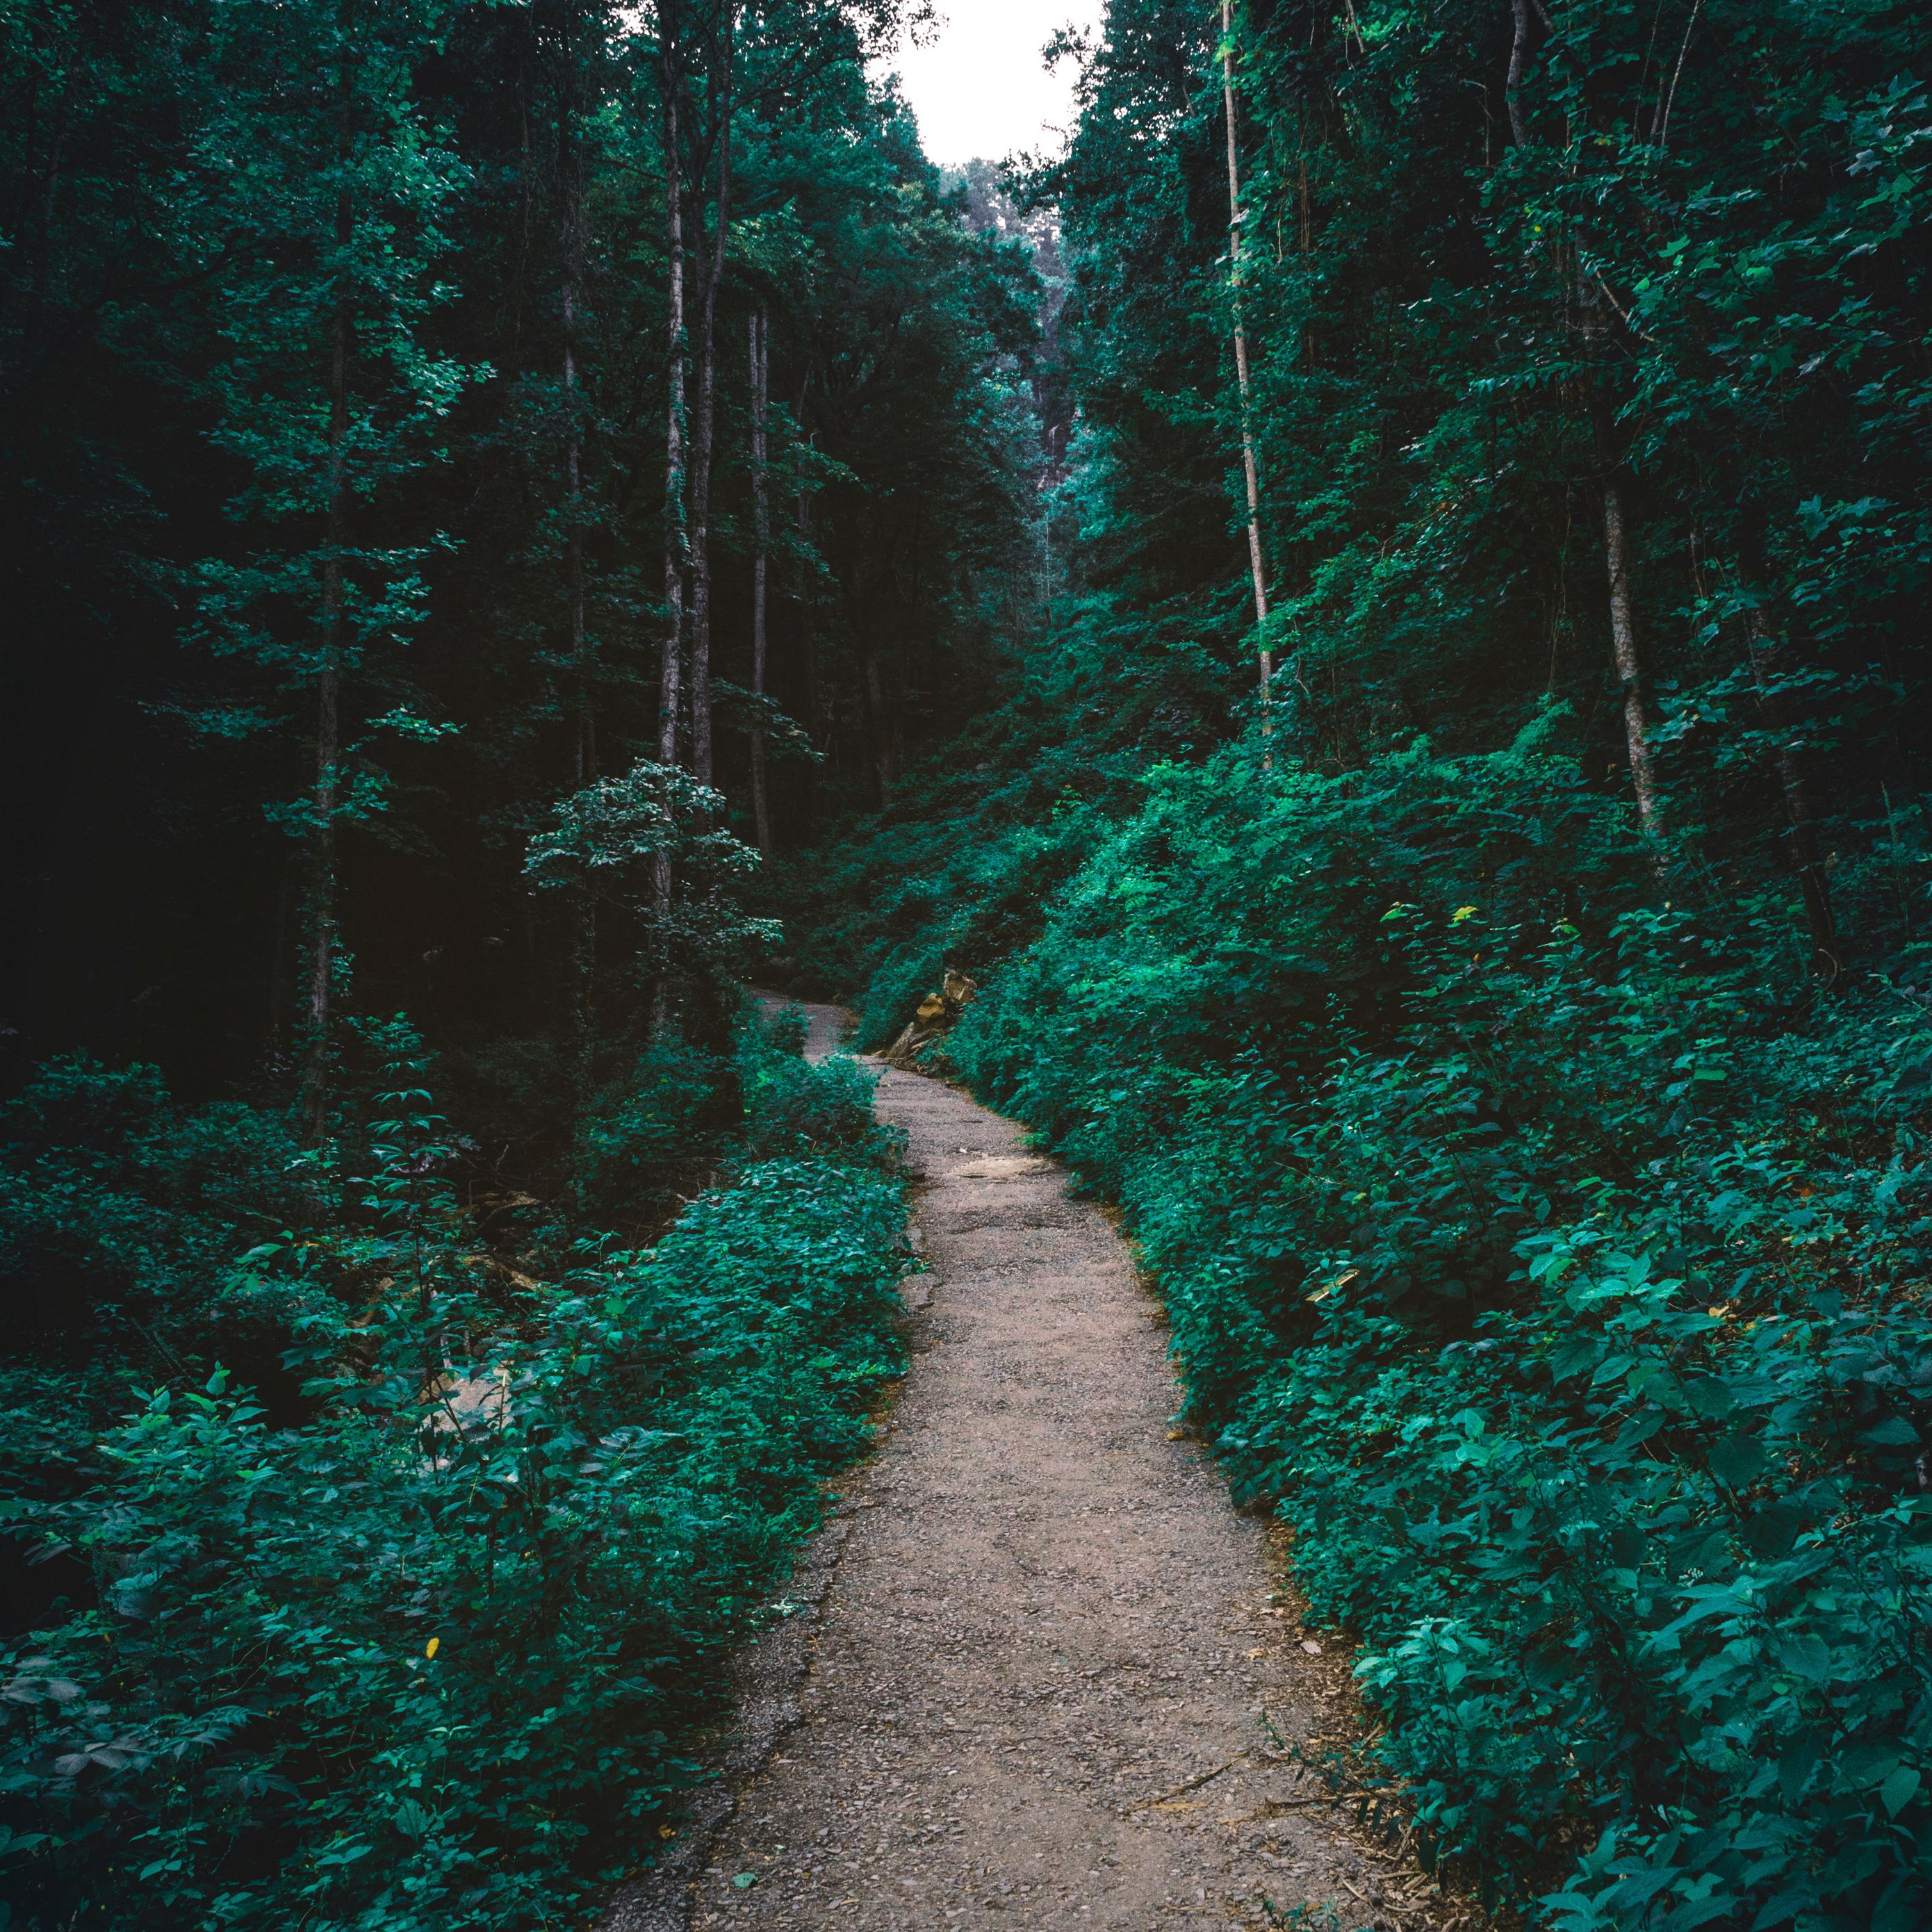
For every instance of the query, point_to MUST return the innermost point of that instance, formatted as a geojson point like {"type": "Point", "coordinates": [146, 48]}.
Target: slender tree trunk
{"type": "Point", "coordinates": [675, 545]}
{"type": "Point", "coordinates": [1512, 88]}
{"type": "Point", "coordinates": [1256, 564]}
{"type": "Point", "coordinates": [703, 436]}
{"type": "Point", "coordinates": [573, 456]}
{"type": "Point", "coordinates": [816, 722]}
{"type": "Point", "coordinates": [762, 535]}
{"type": "Point", "coordinates": [876, 729]}
{"type": "Point", "coordinates": [328, 693]}
{"type": "Point", "coordinates": [1802, 831]}
{"type": "Point", "coordinates": [278, 955]}
{"type": "Point", "coordinates": [871, 683]}
{"type": "Point", "coordinates": [580, 643]}
{"type": "Point", "coordinates": [1623, 646]}
{"type": "Point", "coordinates": [1616, 563]}
{"type": "Point", "coordinates": [675, 548]}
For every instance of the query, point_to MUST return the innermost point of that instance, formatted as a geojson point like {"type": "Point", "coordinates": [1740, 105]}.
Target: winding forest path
{"type": "Point", "coordinates": [1047, 1623]}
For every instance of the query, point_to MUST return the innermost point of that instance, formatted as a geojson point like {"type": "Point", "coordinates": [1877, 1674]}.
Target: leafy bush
{"type": "Point", "coordinates": [118, 1210]}
{"type": "Point", "coordinates": [1559, 1276]}
{"type": "Point", "coordinates": [793, 1106]}
{"type": "Point", "coordinates": [426, 1658]}
{"type": "Point", "coordinates": [643, 1134]}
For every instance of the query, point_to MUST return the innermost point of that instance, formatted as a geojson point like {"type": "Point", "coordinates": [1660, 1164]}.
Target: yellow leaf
{"type": "Point", "coordinates": [434, 1642]}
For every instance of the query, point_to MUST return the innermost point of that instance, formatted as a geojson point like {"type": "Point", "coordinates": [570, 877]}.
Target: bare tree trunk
{"type": "Point", "coordinates": [1513, 87]}
{"type": "Point", "coordinates": [675, 550]}
{"type": "Point", "coordinates": [762, 534]}
{"type": "Point", "coordinates": [573, 459]}
{"type": "Point", "coordinates": [1236, 216]}
{"type": "Point", "coordinates": [1802, 832]}
{"type": "Point", "coordinates": [675, 545]}
{"type": "Point", "coordinates": [327, 692]}
{"type": "Point", "coordinates": [278, 952]}
{"type": "Point", "coordinates": [860, 604]}
{"type": "Point", "coordinates": [817, 723]}
{"type": "Point", "coordinates": [1616, 562]}
{"type": "Point", "coordinates": [703, 436]}
{"type": "Point", "coordinates": [877, 729]}
{"type": "Point", "coordinates": [1623, 646]}
{"type": "Point", "coordinates": [587, 717]}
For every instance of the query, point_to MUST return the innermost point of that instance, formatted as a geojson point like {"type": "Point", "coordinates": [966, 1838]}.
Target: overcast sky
{"type": "Point", "coordinates": [979, 89]}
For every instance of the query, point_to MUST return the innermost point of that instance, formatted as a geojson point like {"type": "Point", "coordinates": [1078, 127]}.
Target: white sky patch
{"type": "Point", "coordinates": [980, 90]}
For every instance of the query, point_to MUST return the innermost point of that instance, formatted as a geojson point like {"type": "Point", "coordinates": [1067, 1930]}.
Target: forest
{"type": "Point", "coordinates": [1372, 607]}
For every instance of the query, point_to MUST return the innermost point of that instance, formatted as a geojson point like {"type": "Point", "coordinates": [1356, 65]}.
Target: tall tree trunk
{"type": "Point", "coordinates": [675, 545]}
{"type": "Point", "coordinates": [860, 602]}
{"type": "Point", "coordinates": [580, 651]}
{"type": "Point", "coordinates": [1236, 216]}
{"type": "Point", "coordinates": [1623, 646]}
{"type": "Point", "coordinates": [675, 549]}
{"type": "Point", "coordinates": [876, 728]}
{"type": "Point", "coordinates": [585, 759]}
{"type": "Point", "coordinates": [703, 437]}
{"type": "Point", "coordinates": [817, 724]}
{"type": "Point", "coordinates": [278, 955]}
{"type": "Point", "coordinates": [328, 676]}
{"type": "Point", "coordinates": [1513, 87]}
{"type": "Point", "coordinates": [1616, 562]}
{"type": "Point", "coordinates": [762, 537]}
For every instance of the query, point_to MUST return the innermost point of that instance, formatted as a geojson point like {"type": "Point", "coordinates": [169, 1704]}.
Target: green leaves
{"type": "Point", "coordinates": [1552, 1377]}
{"type": "Point", "coordinates": [424, 1653]}
{"type": "Point", "coordinates": [1738, 1460]}
{"type": "Point", "coordinates": [652, 844]}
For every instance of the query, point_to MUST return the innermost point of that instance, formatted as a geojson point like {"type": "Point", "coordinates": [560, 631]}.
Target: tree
{"type": "Point", "coordinates": [322, 191]}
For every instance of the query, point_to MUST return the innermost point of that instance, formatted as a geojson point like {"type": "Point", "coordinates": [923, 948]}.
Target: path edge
{"type": "Point", "coordinates": [761, 1684]}
{"type": "Point", "coordinates": [761, 1688]}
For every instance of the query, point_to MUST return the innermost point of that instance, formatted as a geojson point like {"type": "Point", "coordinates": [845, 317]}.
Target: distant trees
{"type": "Point", "coordinates": [1529, 311]}
{"type": "Point", "coordinates": [429, 491]}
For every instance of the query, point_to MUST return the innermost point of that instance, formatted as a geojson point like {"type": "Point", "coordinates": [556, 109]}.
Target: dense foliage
{"type": "Point", "coordinates": [1509, 1044]}
{"type": "Point", "coordinates": [417, 1637]}
{"type": "Point", "coordinates": [471, 476]}
{"type": "Point", "coordinates": [348, 434]}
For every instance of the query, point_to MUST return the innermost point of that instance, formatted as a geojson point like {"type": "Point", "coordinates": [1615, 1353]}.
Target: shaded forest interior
{"type": "Point", "coordinates": [375, 306]}
{"type": "Point", "coordinates": [1374, 608]}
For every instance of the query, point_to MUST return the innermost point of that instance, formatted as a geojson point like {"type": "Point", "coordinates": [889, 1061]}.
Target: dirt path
{"type": "Point", "coordinates": [1047, 1622]}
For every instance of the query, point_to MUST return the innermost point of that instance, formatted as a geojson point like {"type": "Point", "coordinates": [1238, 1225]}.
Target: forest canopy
{"type": "Point", "coordinates": [1373, 610]}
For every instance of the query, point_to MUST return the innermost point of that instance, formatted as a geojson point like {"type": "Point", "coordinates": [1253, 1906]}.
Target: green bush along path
{"type": "Point", "coordinates": [1048, 1621]}
{"type": "Point", "coordinates": [408, 1623]}
{"type": "Point", "coordinates": [1353, 636]}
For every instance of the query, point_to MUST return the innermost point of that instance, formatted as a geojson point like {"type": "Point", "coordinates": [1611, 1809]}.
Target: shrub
{"type": "Point", "coordinates": [118, 1210]}
{"type": "Point", "coordinates": [649, 1130]}
{"type": "Point", "coordinates": [1555, 1266]}
{"type": "Point", "coordinates": [427, 1659]}
{"type": "Point", "coordinates": [793, 1106]}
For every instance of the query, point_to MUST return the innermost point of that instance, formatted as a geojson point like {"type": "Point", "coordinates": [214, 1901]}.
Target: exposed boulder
{"type": "Point", "coordinates": [933, 1019]}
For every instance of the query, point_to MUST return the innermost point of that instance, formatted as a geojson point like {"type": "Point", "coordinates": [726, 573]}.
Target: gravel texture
{"type": "Point", "coordinates": [1037, 1676]}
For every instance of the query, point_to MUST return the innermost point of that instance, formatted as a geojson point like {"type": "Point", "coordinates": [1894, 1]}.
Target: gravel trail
{"type": "Point", "coordinates": [1047, 1686]}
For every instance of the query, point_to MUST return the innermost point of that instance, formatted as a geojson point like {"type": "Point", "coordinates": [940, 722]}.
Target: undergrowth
{"type": "Point", "coordinates": [415, 1634]}
{"type": "Point", "coordinates": [1555, 1269]}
